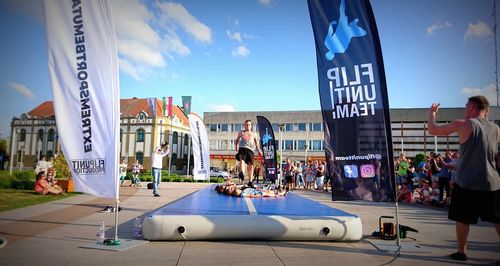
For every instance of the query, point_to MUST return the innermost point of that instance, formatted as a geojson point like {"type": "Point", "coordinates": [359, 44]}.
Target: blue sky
{"type": "Point", "coordinates": [258, 55]}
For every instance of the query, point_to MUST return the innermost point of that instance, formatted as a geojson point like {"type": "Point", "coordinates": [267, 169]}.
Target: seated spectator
{"type": "Point", "coordinates": [51, 174]}
{"type": "Point", "coordinates": [424, 193]}
{"type": "Point", "coordinates": [404, 193]}
{"type": "Point", "coordinates": [136, 169]}
{"type": "Point", "coordinates": [43, 187]}
{"type": "Point", "coordinates": [435, 195]}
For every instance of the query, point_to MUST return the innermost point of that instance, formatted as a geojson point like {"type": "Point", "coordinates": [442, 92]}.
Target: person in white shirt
{"type": "Point", "coordinates": [157, 156]}
{"type": "Point", "coordinates": [42, 165]}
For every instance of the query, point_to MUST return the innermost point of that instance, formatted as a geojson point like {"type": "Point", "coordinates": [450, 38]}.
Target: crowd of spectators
{"type": "Point", "coordinates": [428, 181]}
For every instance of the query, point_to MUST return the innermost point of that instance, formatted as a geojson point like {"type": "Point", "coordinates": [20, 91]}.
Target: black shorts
{"type": "Point", "coordinates": [469, 205]}
{"type": "Point", "coordinates": [246, 155]}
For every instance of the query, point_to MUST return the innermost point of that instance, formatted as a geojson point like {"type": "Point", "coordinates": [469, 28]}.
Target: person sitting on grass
{"type": "Point", "coordinates": [51, 174]}
{"type": "Point", "coordinates": [136, 168]}
{"type": "Point", "coordinates": [43, 187]}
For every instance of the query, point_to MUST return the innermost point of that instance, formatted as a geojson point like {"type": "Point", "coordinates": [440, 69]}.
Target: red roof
{"type": "Point", "coordinates": [128, 108]}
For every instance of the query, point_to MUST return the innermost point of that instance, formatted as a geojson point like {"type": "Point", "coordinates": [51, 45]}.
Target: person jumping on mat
{"type": "Point", "coordinates": [246, 143]}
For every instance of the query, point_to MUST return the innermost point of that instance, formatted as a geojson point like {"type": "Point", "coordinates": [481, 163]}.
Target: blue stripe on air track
{"type": "Point", "coordinates": [208, 202]}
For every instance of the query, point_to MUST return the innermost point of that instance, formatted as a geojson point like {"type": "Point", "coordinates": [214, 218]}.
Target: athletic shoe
{"type": "Point", "coordinates": [459, 256]}
{"type": "Point", "coordinates": [156, 195]}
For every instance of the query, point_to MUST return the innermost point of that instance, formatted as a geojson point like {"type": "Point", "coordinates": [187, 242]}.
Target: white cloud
{"type": "Point", "coordinates": [131, 22]}
{"type": "Point", "coordinates": [221, 107]}
{"type": "Point", "coordinates": [181, 16]}
{"type": "Point", "coordinates": [265, 2]}
{"type": "Point", "coordinates": [489, 92]}
{"type": "Point", "coordinates": [478, 30]}
{"type": "Point", "coordinates": [174, 44]}
{"type": "Point", "coordinates": [130, 69]}
{"type": "Point", "coordinates": [139, 52]}
{"type": "Point", "coordinates": [147, 38]}
{"type": "Point", "coordinates": [235, 36]}
{"type": "Point", "coordinates": [438, 26]}
{"type": "Point", "coordinates": [22, 89]}
{"type": "Point", "coordinates": [241, 51]}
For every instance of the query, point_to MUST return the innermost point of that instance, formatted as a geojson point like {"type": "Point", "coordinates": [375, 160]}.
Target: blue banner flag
{"type": "Point", "coordinates": [354, 102]}
{"type": "Point", "coordinates": [268, 144]}
{"type": "Point", "coordinates": [152, 106]}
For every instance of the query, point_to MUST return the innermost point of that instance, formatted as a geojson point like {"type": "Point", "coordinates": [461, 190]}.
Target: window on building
{"type": "Point", "coordinates": [236, 127]}
{"type": "Point", "coordinates": [50, 154]}
{"type": "Point", "coordinates": [39, 135]}
{"type": "Point", "coordinates": [22, 135]}
{"type": "Point", "coordinates": [223, 145]}
{"type": "Point", "coordinates": [316, 127]}
{"type": "Point", "coordinates": [288, 145]}
{"type": "Point", "coordinates": [51, 135]}
{"type": "Point", "coordinates": [174, 158]}
{"type": "Point", "coordinates": [212, 144]}
{"type": "Point", "coordinates": [139, 156]}
{"type": "Point", "coordinates": [301, 144]}
{"type": "Point", "coordinates": [212, 127]}
{"type": "Point", "coordinates": [301, 127]}
{"type": "Point", "coordinates": [317, 145]}
{"type": "Point", "coordinates": [288, 127]}
{"type": "Point", "coordinates": [224, 127]}
{"type": "Point", "coordinates": [140, 135]}
{"type": "Point", "coordinates": [175, 138]}
{"type": "Point", "coordinates": [186, 139]}
{"type": "Point", "coordinates": [276, 128]}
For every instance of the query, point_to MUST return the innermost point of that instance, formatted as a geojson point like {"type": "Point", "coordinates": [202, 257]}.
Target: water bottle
{"type": "Point", "coordinates": [137, 231]}
{"type": "Point", "coordinates": [101, 234]}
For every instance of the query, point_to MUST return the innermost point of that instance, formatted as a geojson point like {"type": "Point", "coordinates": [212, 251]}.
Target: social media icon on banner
{"type": "Point", "coordinates": [367, 170]}
{"type": "Point", "coordinates": [351, 171]}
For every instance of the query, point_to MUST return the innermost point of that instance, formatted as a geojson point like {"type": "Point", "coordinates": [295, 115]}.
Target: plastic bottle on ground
{"type": "Point", "coordinates": [101, 234]}
{"type": "Point", "coordinates": [137, 230]}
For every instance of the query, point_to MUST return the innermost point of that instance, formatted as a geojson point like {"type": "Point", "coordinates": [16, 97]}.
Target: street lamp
{"type": "Point", "coordinates": [21, 163]}
{"type": "Point", "coordinates": [12, 144]}
{"type": "Point", "coordinates": [305, 149]}
{"type": "Point", "coordinates": [281, 127]}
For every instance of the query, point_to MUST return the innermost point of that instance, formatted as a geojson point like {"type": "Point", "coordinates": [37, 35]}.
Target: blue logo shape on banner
{"type": "Point", "coordinates": [266, 138]}
{"type": "Point", "coordinates": [338, 41]}
{"type": "Point", "coordinates": [351, 171]}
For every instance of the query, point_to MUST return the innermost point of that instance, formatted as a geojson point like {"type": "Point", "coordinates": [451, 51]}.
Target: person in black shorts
{"type": "Point", "coordinates": [476, 192]}
{"type": "Point", "coordinates": [246, 143]}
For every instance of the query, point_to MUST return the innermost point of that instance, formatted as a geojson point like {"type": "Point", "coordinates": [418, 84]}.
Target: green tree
{"type": "Point", "coordinates": [419, 158]}
{"type": "Point", "coordinates": [61, 166]}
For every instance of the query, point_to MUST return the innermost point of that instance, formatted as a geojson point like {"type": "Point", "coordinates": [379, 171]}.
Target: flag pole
{"type": "Point", "coordinates": [116, 217]}
{"type": "Point", "coordinates": [189, 154]}
{"type": "Point", "coordinates": [171, 139]}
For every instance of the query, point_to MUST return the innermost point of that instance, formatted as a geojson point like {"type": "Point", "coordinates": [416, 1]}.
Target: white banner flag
{"type": "Point", "coordinates": [83, 70]}
{"type": "Point", "coordinates": [201, 156]}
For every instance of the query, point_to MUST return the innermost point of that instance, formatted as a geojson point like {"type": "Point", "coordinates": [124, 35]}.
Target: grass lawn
{"type": "Point", "coordinates": [13, 198]}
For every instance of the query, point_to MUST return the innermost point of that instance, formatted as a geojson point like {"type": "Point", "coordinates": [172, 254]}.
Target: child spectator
{"type": "Point", "coordinates": [404, 193]}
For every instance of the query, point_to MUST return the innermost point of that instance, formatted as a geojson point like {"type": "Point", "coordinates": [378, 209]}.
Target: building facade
{"type": "Point", "coordinates": [302, 135]}
{"type": "Point", "coordinates": [143, 126]}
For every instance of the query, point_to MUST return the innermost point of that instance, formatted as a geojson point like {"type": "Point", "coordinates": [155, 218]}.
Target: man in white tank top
{"type": "Point", "coordinates": [246, 143]}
